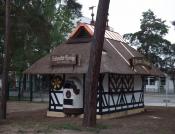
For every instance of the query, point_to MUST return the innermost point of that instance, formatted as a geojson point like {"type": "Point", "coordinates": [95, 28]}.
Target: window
{"type": "Point", "coordinates": [145, 81]}
{"type": "Point", "coordinates": [162, 81]}
{"type": "Point", "coordinates": [83, 34]}
{"type": "Point", "coordinates": [152, 81]}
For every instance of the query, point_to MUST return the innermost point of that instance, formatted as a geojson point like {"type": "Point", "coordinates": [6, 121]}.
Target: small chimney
{"type": "Point", "coordinates": [92, 15]}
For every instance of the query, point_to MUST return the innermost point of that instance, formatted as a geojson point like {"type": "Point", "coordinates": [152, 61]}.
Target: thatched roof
{"type": "Point", "coordinates": [115, 57]}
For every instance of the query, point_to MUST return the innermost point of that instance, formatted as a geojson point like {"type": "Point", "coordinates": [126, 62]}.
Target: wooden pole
{"type": "Point", "coordinates": [19, 89]}
{"type": "Point", "coordinates": [91, 81]}
{"type": "Point", "coordinates": [5, 63]}
{"type": "Point", "coordinates": [31, 87]}
{"type": "Point", "coordinates": [24, 82]}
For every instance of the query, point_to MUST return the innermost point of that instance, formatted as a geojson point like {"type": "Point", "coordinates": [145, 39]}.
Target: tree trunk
{"type": "Point", "coordinates": [91, 81]}
{"type": "Point", "coordinates": [5, 63]}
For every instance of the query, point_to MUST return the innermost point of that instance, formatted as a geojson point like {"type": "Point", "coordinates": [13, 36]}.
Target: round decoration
{"type": "Point", "coordinates": [75, 90]}
{"type": "Point", "coordinates": [68, 94]}
{"type": "Point", "coordinates": [57, 83]}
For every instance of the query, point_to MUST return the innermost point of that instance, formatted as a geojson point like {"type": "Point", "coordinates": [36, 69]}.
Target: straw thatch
{"type": "Point", "coordinates": [115, 57]}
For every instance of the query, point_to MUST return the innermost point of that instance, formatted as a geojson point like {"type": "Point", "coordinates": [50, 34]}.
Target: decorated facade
{"type": "Point", "coordinates": [121, 80]}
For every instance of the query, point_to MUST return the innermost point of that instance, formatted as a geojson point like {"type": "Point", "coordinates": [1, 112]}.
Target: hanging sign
{"type": "Point", "coordinates": [68, 59]}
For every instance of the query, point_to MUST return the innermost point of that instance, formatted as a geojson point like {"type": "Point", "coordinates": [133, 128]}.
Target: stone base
{"type": "Point", "coordinates": [105, 116]}
{"type": "Point", "coordinates": [120, 114]}
{"type": "Point", "coordinates": [55, 114]}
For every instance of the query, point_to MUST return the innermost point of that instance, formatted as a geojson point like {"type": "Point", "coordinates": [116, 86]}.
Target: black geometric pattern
{"type": "Point", "coordinates": [54, 96]}
{"type": "Point", "coordinates": [120, 83]}
{"type": "Point", "coordinates": [120, 96]}
{"type": "Point", "coordinates": [54, 102]}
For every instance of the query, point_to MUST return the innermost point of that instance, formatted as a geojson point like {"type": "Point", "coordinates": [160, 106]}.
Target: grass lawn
{"type": "Point", "coordinates": [155, 120]}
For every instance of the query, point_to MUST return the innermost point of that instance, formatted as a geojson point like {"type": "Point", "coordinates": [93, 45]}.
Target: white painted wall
{"type": "Point", "coordinates": [105, 83]}
{"type": "Point", "coordinates": [137, 82]}
{"type": "Point", "coordinates": [169, 85]}
{"type": "Point", "coordinates": [137, 86]}
{"type": "Point", "coordinates": [77, 99]}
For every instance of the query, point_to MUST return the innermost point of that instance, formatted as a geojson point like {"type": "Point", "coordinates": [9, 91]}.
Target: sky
{"type": "Point", "coordinates": [125, 15]}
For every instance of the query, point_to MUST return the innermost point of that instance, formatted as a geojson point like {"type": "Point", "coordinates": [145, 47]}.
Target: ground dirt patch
{"type": "Point", "coordinates": [33, 120]}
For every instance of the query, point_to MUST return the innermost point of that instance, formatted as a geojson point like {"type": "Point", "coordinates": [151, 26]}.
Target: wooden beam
{"type": "Point", "coordinates": [94, 65]}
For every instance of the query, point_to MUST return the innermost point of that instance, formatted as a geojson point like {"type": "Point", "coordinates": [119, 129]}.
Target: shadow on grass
{"type": "Point", "coordinates": [69, 126]}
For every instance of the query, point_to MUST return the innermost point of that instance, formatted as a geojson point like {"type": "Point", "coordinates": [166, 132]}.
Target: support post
{"type": "Point", "coordinates": [24, 82]}
{"type": "Point", "coordinates": [35, 82]}
{"type": "Point", "coordinates": [19, 89]}
{"type": "Point", "coordinates": [143, 88]}
{"type": "Point", "coordinates": [94, 65]}
{"type": "Point", "coordinates": [31, 88]}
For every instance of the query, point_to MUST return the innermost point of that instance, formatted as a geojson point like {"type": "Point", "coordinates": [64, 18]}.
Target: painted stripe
{"type": "Point", "coordinates": [113, 108]}
{"type": "Point", "coordinates": [90, 27]}
{"type": "Point", "coordinates": [145, 69]}
{"type": "Point", "coordinates": [127, 49]}
{"type": "Point", "coordinates": [118, 52]}
{"type": "Point", "coordinates": [60, 97]}
{"type": "Point", "coordinates": [118, 36]}
{"type": "Point", "coordinates": [109, 34]}
{"type": "Point", "coordinates": [121, 38]}
{"type": "Point", "coordinates": [54, 99]}
{"type": "Point", "coordinates": [59, 107]}
{"type": "Point", "coordinates": [105, 110]}
{"type": "Point", "coordinates": [115, 36]}
{"type": "Point", "coordinates": [104, 100]}
{"type": "Point", "coordinates": [128, 52]}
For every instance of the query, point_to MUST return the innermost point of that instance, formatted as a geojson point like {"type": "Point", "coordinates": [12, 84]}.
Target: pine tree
{"type": "Point", "coordinates": [150, 39]}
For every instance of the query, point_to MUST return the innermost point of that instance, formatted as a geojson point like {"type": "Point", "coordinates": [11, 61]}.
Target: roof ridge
{"type": "Point", "coordinates": [90, 29]}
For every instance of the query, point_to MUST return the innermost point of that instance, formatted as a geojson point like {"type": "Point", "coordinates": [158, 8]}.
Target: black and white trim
{"type": "Point", "coordinates": [56, 98]}
{"type": "Point", "coordinates": [120, 96]}
{"type": "Point", "coordinates": [116, 92]}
